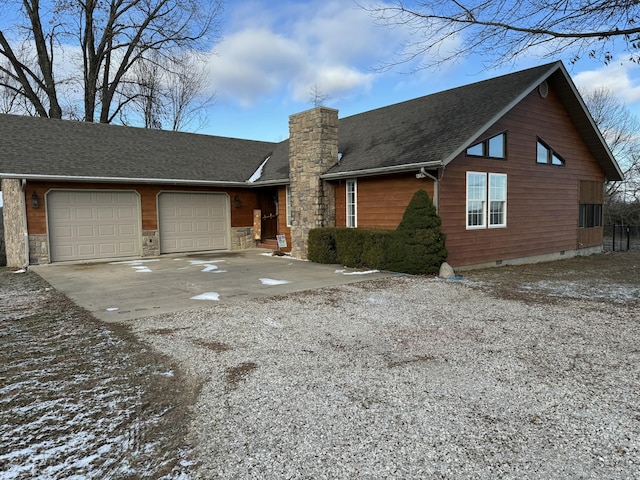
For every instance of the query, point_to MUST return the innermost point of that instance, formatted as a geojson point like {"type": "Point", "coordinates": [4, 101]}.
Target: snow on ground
{"type": "Point", "coordinates": [271, 281]}
{"type": "Point", "coordinates": [207, 296]}
{"type": "Point", "coordinates": [74, 394]}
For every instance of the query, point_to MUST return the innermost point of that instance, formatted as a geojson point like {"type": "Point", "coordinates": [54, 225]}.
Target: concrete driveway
{"type": "Point", "coordinates": [122, 290]}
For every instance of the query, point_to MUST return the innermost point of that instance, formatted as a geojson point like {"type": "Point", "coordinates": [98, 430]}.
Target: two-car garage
{"type": "Point", "coordinates": [95, 224]}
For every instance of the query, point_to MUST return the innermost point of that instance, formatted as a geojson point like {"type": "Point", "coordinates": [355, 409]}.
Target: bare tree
{"type": "Point", "coordinates": [317, 96]}
{"type": "Point", "coordinates": [502, 29]}
{"type": "Point", "coordinates": [169, 94]}
{"type": "Point", "coordinates": [112, 35]}
{"type": "Point", "coordinates": [186, 94]}
{"type": "Point", "coordinates": [620, 129]}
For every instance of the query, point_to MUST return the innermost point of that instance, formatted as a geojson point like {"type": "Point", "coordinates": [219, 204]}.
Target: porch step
{"type": "Point", "coordinates": [270, 243]}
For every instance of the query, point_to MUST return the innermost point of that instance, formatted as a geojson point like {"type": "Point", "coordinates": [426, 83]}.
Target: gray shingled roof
{"type": "Point", "coordinates": [434, 129]}
{"type": "Point", "coordinates": [43, 148]}
{"type": "Point", "coordinates": [428, 131]}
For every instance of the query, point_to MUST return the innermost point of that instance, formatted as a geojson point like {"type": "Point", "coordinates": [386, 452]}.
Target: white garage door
{"type": "Point", "coordinates": [193, 222]}
{"type": "Point", "coordinates": [87, 224]}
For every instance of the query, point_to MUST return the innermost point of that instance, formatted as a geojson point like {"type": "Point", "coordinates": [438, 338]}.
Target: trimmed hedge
{"type": "Point", "coordinates": [417, 246]}
{"type": "Point", "coordinates": [352, 247]}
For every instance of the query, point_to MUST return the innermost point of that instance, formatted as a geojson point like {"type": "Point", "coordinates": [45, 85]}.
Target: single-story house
{"type": "Point", "coordinates": [515, 166]}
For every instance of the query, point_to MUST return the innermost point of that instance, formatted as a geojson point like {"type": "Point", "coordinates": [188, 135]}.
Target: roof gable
{"type": "Point", "coordinates": [432, 130]}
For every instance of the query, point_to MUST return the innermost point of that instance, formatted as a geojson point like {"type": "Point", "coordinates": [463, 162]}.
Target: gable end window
{"type": "Point", "coordinates": [494, 147]}
{"type": "Point", "coordinates": [486, 200]}
{"type": "Point", "coordinates": [546, 155]}
{"type": "Point", "coordinates": [352, 203]}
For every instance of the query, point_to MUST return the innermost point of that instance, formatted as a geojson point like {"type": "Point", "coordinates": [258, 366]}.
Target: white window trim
{"type": "Point", "coordinates": [506, 188]}
{"type": "Point", "coordinates": [484, 202]}
{"type": "Point", "coordinates": [352, 184]}
{"type": "Point", "coordinates": [486, 208]}
{"type": "Point", "coordinates": [288, 204]}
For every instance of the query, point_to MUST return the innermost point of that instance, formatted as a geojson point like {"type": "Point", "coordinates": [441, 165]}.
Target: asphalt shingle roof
{"type": "Point", "coordinates": [428, 130]}
{"type": "Point", "coordinates": [32, 146]}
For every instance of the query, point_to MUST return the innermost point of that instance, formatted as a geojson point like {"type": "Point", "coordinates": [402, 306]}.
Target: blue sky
{"type": "Point", "coordinates": [273, 52]}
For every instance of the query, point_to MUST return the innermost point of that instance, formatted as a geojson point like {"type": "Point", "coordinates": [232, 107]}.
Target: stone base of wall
{"type": "Point", "coordinates": [150, 243]}
{"type": "Point", "coordinates": [241, 238]}
{"type": "Point", "coordinates": [38, 249]}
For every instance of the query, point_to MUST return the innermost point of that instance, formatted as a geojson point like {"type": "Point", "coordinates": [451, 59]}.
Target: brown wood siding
{"type": "Point", "coordinates": [381, 201]}
{"type": "Point", "coordinates": [591, 192]}
{"type": "Point", "coordinates": [240, 217]}
{"type": "Point", "coordinates": [542, 200]}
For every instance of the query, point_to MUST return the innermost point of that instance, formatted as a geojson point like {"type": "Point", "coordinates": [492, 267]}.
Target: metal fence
{"type": "Point", "coordinates": [621, 237]}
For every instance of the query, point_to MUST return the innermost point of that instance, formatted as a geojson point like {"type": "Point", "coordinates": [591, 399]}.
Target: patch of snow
{"type": "Point", "coordinates": [258, 173]}
{"type": "Point", "coordinates": [207, 296]}
{"type": "Point", "coordinates": [209, 268]}
{"type": "Point", "coordinates": [22, 270]}
{"type": "Point", "coordinates": [271, 281]}
{"type": "Point", "coordinates": [142, 270]}
{"type": "Point", "coordinates": [366, 272]}
{"type": "Point", "coordinates": [271, 323]}
{"type": "Point", "coordinates": [166, 374]}
{"type": "Point", "coordinates": [113, 309]}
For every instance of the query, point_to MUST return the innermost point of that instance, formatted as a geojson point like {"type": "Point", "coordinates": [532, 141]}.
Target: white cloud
{"type": "Point", "coordinates": [619, 78]}
{"type": "Point", "coordinates": [334, 45]}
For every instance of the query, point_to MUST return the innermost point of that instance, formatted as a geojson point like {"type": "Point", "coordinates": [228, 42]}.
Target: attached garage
{"type": "Point", "coordinates": [92, 224]}
{"type": "Point", "coordinates": [193, 222]}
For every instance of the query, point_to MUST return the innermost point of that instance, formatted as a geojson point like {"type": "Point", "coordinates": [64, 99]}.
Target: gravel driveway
{"type": "Point", "coordinates": [512, 373]}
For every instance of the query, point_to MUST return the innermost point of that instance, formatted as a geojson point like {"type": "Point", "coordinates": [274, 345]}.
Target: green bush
{"type": "Point", "coordinates": [321, 246]}
{"type": "Point", "coordinates": [352, 247]}
{"type": "Point", "coordinates": [418, 244]}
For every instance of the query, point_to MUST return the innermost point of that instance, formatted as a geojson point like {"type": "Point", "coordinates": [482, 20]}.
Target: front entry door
{"type": "Point", "coordinates": [269, 211]}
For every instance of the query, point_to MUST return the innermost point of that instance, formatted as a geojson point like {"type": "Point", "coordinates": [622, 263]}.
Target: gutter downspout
{"type": "Point", "coordinates": [436, 183]}
{"type": "Point", "coordinates": [23, 183]}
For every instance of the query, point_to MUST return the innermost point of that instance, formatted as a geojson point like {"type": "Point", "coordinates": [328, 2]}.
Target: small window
{"type": "Point", "coordinates": [546, 155]}
{"type": "Point", "coordinates": [352, 207]}
{"type": "Point", "coordinates": [494, 147]}
{"type": "Point", "coordinates": [590, 215]}
{"type": "Point", "coordinates": [288, 201]}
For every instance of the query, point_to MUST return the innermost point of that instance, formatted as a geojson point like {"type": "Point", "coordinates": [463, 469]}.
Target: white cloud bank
{"type": "Point", "coordinates": [619, 78]}
{"type": "Point", "coordinates": [295, 46]}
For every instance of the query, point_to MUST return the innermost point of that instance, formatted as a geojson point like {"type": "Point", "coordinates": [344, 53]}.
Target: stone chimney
{"type": "Point", "coordinates": [313, 149]}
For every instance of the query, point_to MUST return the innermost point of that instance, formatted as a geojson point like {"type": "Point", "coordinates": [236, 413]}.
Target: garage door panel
{"type": "Point", "coordinates": [93, 224]}
{"type": "Point", "coordinates": [193, 221]}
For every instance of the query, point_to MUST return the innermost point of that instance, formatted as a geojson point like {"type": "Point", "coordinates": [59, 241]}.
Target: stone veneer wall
{"type": "Point", "coordinates": [150, 243]}
{"type": "Point", "coordinates": [313, 149]}
{"type": "Point", "coordinates": [15, 235]}
{"type": "Point", "coordinates": [38, 249]}
{"type": "Point", "coordinates": [241, 238]}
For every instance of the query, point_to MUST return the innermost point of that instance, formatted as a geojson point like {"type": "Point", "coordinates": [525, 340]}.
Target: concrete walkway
{"type": "Point", "coordinates": [121, 290]}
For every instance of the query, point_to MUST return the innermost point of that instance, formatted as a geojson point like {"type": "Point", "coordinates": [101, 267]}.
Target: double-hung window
{"type": "Point", "coordinates": [486, 200]}
{"type": "Point", "coordinates": [352, 203]}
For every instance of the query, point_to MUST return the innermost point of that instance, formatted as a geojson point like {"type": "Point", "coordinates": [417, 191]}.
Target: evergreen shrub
{"type": "Point", "coordinates": [418, 245]}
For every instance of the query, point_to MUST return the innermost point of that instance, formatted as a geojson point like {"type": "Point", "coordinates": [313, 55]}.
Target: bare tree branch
{"type": "Point", "coordinates": [443, 30]}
